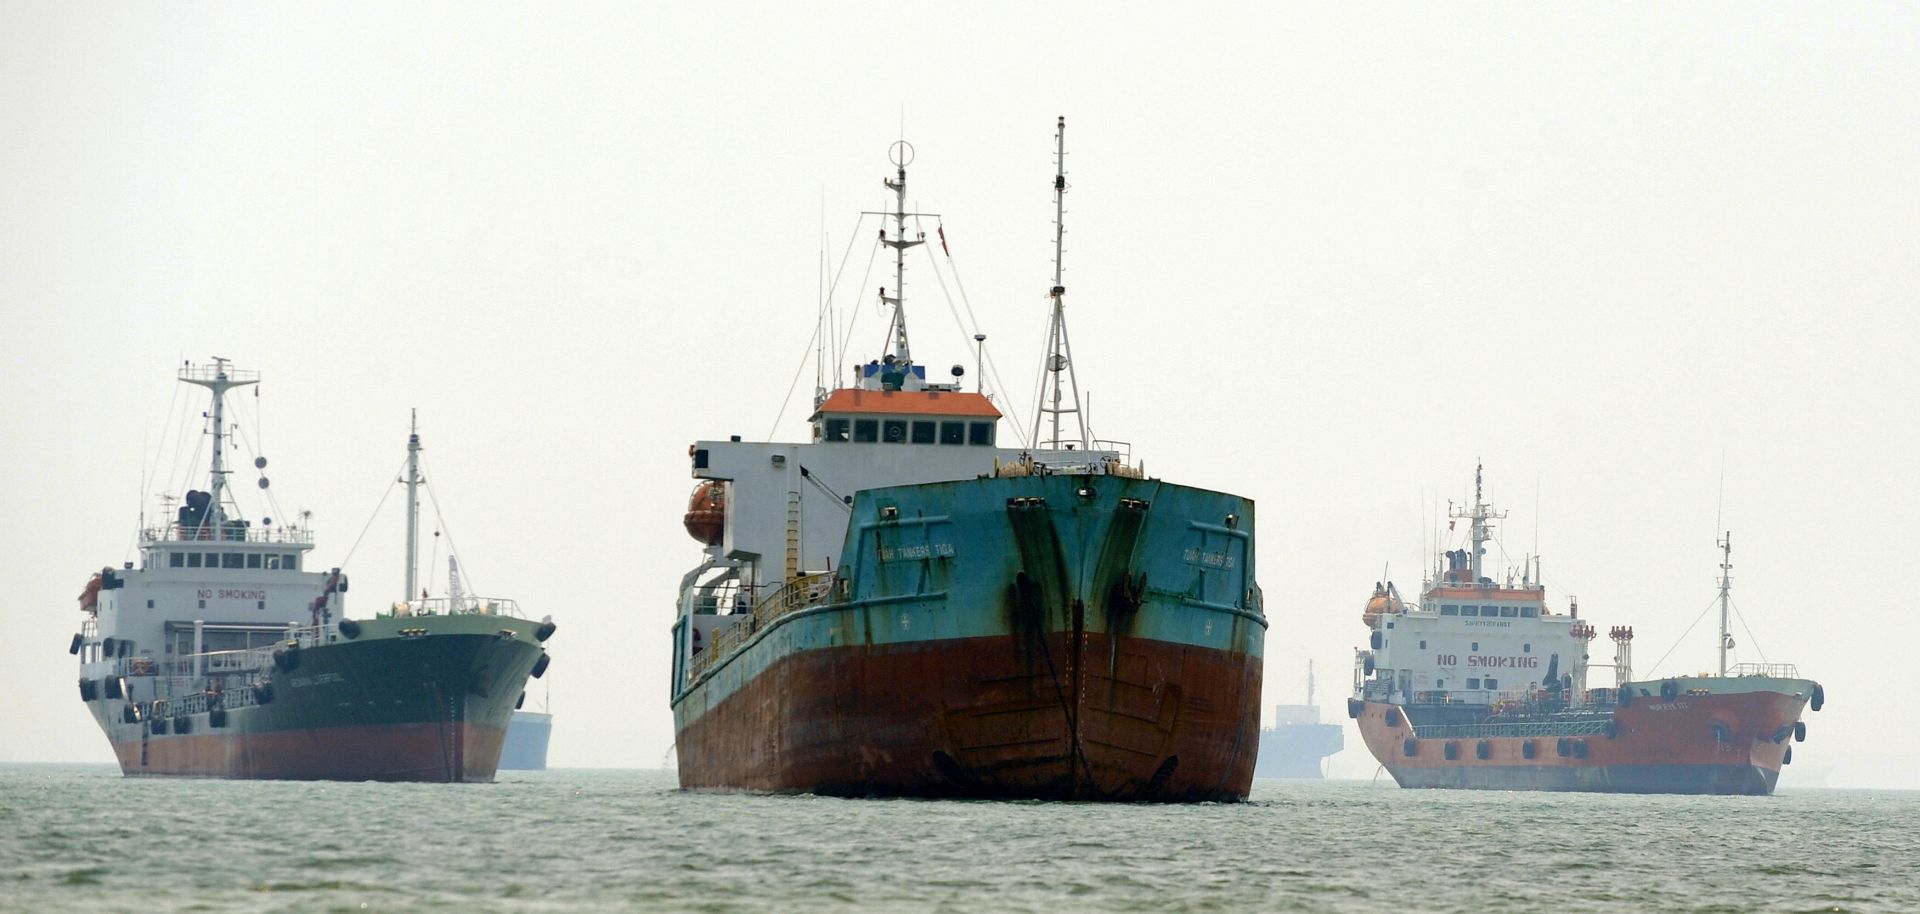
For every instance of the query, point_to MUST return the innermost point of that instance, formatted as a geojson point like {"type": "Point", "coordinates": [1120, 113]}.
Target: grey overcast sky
{"type": "Point", "coordinates": [1325, 256]}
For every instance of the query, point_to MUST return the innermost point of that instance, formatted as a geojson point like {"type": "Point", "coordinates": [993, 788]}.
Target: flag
{"type": "Point", "coordinates": [942, 229]}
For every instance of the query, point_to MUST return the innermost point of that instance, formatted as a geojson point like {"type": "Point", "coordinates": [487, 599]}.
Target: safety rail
{"type": "Point", "coordinates": [228, 533]}
{"type": "Point", "coordinates": [799, 593]}
{"type": "Point", "coordinates": [457, 606]}
{"type": "Point", "coordinates": [1773, 670]}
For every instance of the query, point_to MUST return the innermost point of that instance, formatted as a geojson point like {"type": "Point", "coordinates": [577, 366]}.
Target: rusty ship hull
{"type": "Point", "coordinates": [1051, 637]}
{"type": "Point", "coordinates": [1705, 735]}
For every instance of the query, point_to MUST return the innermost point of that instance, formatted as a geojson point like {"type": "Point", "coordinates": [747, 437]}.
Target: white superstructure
{"type": "Point", "coordinates": [208, 581]}
{"type": "Point", "coordinates": [1471, 640]}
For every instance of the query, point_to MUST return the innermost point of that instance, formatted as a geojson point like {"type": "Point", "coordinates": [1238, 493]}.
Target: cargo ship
{"type": "Point", "coordinates": [901, 606]}
{"type": "Point", "coordinates": [223, 653]}
{"type": "Point", "coordinates": [1299, 743]}
{"type": "Point", "coordinates": [1479, 684]}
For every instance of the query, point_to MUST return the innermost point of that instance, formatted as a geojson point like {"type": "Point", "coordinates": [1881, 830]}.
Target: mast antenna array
{"type": "Point", "coordinates": [1726, 585]}
{"type": "Point", "coordinates": [1059, 362]}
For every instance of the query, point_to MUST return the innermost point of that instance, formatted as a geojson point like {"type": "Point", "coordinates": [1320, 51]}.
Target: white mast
{"type": "Point", "coordinates": [901, 154]}
{"type": "Point", "coordinates": [1059, 350]}
{"type": "Point", "coordinates": [1480, 515]}
{"type": "Point", "coordinates": [1726, 584]}
{"type": "Point", "coordinates": [219, 382]}
{"type": "Point", "coordinates": [413, 481]}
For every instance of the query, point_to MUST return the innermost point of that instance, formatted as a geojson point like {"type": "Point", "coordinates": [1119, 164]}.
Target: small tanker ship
{"type": "Point", "coordinates": [1299, 743]}
{"type": "Point", "coordinates": [222, 654]}
{"type": "Point", "coordinates": [1479, 684]}
{"type": "Point", "coordinates": [902, 607]}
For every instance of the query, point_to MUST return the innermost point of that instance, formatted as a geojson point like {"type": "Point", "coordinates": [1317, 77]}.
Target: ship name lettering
{"type": "Point", "coordinates": [1668, 706]}
{"type": "Point", "coordinates": [916, 553]}
{"type": "Point", "coordinates": [1208, 559]}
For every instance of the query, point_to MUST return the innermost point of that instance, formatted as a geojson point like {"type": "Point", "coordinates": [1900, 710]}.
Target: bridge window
{"type": "Point", "coordinates": [953, 433]}
{"type": "Point", "coordinates": [1449, 609]}
{"type": "Point", "coordinates": [980, 433]}
{"type": "Point", "coordinates": [866, 430]}
{"type": "Point", "coordinates": [273, 561]}
{"type": "Point", "coordinates": [232, 560]}
{"type": "Point", "coordinates": [213, 560]}
{"type": "Point", "coordinates": [896, 431]}
{"type": "Point", "coordinates": [176, 559]}
{"type": "Point", "coordinates": [193, 560]}
{"type": "Point", "coordinates": [923, 433]}
{"type": "Point", "coordinates": [837, 429]}
{"type": "Point", "coordinates": [289, 562]}
{"type": "Point", "coordinates": [1508, 612]}
{"type": "Point", "coordinates": [1529, 612]}
{"type": "Point", "coordinates": [253, 560]}
{"type": "Point", "coordinates": [1469, 610]}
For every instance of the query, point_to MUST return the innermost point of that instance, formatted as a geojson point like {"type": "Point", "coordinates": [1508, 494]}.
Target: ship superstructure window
{"type": "Point", "coordinates": [253, 560]}
{"type": "Point", "coordinates": [193, 560]}
{"type": "Point", "coordinates": [232, 560]}
{"type": "Point", "coordinates": [1469, 610]}
{"type": "Point", "coordinates": [1490, 683]}
{"type": "Point", "coordinates": [896, 430]}
{"type": "Point", "coordinates": [290, 562]}
{"type": "Point", "coordinates": [837, 429]}
{"type": "Point", "coordinates": [923, 432]}
{"type": "Point", "coordinates": [866, 430]}
{"type": "Point", "coordinates": [1473, 683]}
{"type": "Point", "coordinates": [1526, 648]}
{"type": "Point", "coordinates": [1423, 645]}
{"type": "Point", "coordinates": [1509, 612]}
{"type": "Point", "coordinates": [1449, 609]}
{"type": "Point", "coordinates": [213, 560]}
{"type": "Point", "coordinates": [953, 433]}
{"type": "Point", "coordinates": [176, 560]}
{"type": "Point", "coordinates": [980, 433]}
{"type": "Point", "coordinates": [1529, 612]}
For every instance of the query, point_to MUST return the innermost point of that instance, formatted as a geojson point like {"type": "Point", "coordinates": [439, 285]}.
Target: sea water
{"type": "Point", "coordinates": [83, 838]}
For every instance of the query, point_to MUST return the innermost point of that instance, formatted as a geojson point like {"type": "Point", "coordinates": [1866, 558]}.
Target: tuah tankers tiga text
{"type": "Point", "coordinates": [1480, 685]}
{"type": "Point", "coordinates": [902, 607]}
{"type": "Point", "coordinates": [222, 654]}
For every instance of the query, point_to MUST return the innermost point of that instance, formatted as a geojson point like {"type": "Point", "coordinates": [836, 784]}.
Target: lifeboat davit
{"type": "Point", "coordinates": [706, 518]}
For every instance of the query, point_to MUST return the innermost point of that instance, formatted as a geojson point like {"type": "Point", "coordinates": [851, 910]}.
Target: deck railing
{"type": "Point", "coordinates": [799, 593]}
{"type": "Point", "coordinates": [1775, 670]}
{"type": "Point", "coordinates": [215, 533]}
{"type": "Point", "coordinates": [458, 606]}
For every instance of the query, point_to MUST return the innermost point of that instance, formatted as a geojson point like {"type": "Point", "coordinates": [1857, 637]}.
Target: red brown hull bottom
{"type": "Point", "coordinates": [448, 752]}
{"type": "Point", "coordinates": [1108, 719]}
{"type": "Point", "coordinates": [1658, 747]}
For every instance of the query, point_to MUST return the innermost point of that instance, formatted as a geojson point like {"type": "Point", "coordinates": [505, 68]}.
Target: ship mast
{"type": "Point", "coordinates": [1726, 585]}
{"type": "Point", "coordinates": [1480, 515]}
{"type": "Point", "coordinates": [901, 154]}
{"type": "Point", "coordinates": [219, 382]}
{"type": "Point", "coordinates": [413, 481]}
{"type": "Point", "coordinates": [1059, 349]}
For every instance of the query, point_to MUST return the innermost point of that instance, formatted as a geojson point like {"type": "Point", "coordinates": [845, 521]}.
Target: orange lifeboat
{"type": "Point", "coordinates": [90, 597]}
{"type": "Point", "coordinates": [1381, 603]}
{"type": "Point", "coordinates": [706, 518]}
